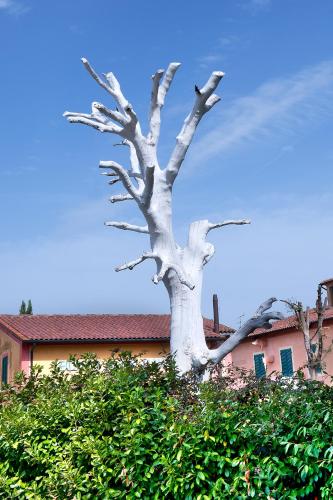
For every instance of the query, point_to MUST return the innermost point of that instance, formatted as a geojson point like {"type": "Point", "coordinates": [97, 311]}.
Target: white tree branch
{"type": "Point", "coordinates": [212, 225]}
{"type": "Point", "coordinates": [261, 319]}
{"type": "Point", "coordinates": [157, 99]}
{"type": "Point", "coordinates": [137, 171]}
{"type": "Point", "coordinates": [91, 121]}
{"type": "Point", "coordinates": [95, 76]}
{"type": "Point", "coordinates": [89, 116]}
{"type": "Point", "coordinates": [149, 185]}
{"type": "Point", "coordinates": [114, 181]}
{"type": "Point", "coordinates": [209, 254]}
{"type": "Point", "coordinates": [133, 263]}
{"type": "Point", "coordinates": [130, 126]}
{"type": "Point", "coordinates": [205, 100]}
{"type": "Point", "coordinates": [123, 175]}
{"type": "Point", "coordinates": [112, 87]}
{"type": "Point", "coordinates": [117, 92]}
{"type": "Point", "coordinates": [114, 174]}
{"type": "Point", "coordinates": [127, 227]}
{"type": "Point", "coordinates": [199, 229]}
{"type": "Point", "coordinates": [265, 306]}
{"type": "Point", "coordinates": [121, 197]}
{"type": "Point", "coordinates": [110, 113]}
{"type": "Point", "coordinates": [154, 116]}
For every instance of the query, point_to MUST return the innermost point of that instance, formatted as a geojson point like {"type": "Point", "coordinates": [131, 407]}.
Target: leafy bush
{"type": "Point", "coordinates": [130, 429]}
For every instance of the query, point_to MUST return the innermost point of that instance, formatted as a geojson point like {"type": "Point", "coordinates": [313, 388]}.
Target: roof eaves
{"type": "Point", "coordinates": [94, 340]}
{"type": "Point", "coordinates": [9, 329]}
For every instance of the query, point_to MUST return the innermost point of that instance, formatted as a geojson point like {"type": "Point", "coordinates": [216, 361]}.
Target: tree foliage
{"type": "Point", "coordinates": [26, 308]}
{"type": "Point", "coordinates": [23, 308]}
{"type": "Point", "coordinates": [29, 307]}
{"type": "Point", "coordinates": [130, 429]}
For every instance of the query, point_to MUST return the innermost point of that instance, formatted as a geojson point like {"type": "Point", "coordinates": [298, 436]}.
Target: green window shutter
{"type": "Point", "coordinates": [259, 365]}
{"type": "Point", "coordinates": [286, 362]}
{"type": "Point", "coordinates": [4, 370]}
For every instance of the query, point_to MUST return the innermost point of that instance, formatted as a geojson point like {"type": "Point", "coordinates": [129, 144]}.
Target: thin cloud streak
{"type": "Point", "coordinates": [282, 104]}
{"type": "Point", "coordinates": [13, 7]}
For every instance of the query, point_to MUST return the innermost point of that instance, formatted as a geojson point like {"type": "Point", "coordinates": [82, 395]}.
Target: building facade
{"type": "Point", "coordinates": [281, 349]}
{"type": "Point", "coordinates": [40, 339]}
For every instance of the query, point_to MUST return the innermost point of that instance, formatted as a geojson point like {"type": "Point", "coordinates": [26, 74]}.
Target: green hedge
{"type": "Point", "coordinates": [129, 429]}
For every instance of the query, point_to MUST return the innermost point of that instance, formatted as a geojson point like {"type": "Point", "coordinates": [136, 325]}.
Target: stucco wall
{"type": "Point", "coordinates": [44, 354]}
{"type": "Point", "coordinates": [270, 345]}
{"type": "Point", "coordinates": [13, 348]}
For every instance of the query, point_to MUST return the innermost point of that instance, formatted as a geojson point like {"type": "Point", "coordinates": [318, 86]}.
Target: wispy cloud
{"type": "Point", "coordinates": [13, 7]}
{"type": "Point", "coordinates": [256, 5]}
{"type": "Point", "coordinates": [284, 104]}
{"type": "Point", "coordinates": [208, 59]}
{"type": "Point", "coordinates": [222, 46]}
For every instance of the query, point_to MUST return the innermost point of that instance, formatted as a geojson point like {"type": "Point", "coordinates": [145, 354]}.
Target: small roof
{"type": "Point", "coordinates": [95, 327]}
{"type": "Point", "coordinates": [291, 322]}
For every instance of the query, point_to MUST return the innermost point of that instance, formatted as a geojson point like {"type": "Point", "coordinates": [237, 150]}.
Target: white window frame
{"type": "Point", "coordinates": [66, 366]}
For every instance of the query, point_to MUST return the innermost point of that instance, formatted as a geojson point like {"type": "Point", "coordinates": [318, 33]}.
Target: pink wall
{"type": "Point", "coordinates": [271, 343]}
{"type": "Point", "coordinates": [25, 358]}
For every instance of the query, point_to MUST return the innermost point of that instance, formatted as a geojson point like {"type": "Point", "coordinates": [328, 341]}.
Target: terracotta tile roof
{"type": "Point", "coordinates": [291, 322]}
{"type": "Point", "coordinates": [99, 327]}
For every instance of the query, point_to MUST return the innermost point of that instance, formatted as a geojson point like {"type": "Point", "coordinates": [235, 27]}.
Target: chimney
{"type": "Point", "coordinates": [216, 313]}
{"type": "Point", "coordinates": [328, 285]}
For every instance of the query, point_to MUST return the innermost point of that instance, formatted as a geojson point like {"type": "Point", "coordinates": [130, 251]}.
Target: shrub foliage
{"type": "Point", "coordinates": [129, 429]}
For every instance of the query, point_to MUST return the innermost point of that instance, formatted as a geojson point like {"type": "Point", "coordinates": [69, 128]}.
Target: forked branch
{"type": "Point", "coordinates": [166, 267]}
{"type": "Point", "coordinates": [158, 94]}
{"type": "Point", "coordinates": [260, 319]}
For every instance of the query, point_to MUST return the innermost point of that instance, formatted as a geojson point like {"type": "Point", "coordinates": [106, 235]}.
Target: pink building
{"type": "Point", "coordinates": [281, 349]}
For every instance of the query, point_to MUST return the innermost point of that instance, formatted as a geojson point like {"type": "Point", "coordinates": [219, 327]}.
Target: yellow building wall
{"type": "Point", "coordinates": [13, 348]}
{"type": "Point", "coordinates": [44, 354]}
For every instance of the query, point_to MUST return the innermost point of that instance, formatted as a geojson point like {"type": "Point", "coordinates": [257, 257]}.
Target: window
{"type": "Point", "coordinates": [4, 370]}
{"type": "Point", "coordinates": [66, 366]}
{"type": "Point", "coordinates": [286, 356]}
{"type": "Point", "coordinates": [318, 367]}
{"type": "Point", "coordinates": [259, 365]}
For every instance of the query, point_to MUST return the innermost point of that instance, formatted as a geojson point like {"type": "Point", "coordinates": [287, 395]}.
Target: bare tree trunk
{"type": "Point", "coordinates": [313, 345]}
{"type": "Point", "coordinates": [188, 342]}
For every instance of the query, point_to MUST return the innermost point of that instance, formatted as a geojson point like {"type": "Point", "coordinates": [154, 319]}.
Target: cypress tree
{"type": "Point", "coordinates": [23, 308]}
{"type": "Point", "coordinates": [29, 308]}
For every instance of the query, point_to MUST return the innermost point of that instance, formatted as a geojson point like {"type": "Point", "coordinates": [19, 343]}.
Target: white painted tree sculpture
{"type": "Point", "coordinates": [150, 186]}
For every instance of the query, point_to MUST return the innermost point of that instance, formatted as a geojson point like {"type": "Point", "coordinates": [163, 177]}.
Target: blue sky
{"type": "Point", "coordinates": [265, 152]}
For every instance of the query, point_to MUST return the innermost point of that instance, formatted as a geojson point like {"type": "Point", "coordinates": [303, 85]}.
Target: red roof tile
{"type": "Point", "coordinates": [99, 327]}
{"type": "Point", "coordinates": [291, 322]}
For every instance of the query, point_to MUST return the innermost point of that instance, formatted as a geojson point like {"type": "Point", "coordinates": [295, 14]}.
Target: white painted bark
{"type": "Point", "coordinates": [180, 269]}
